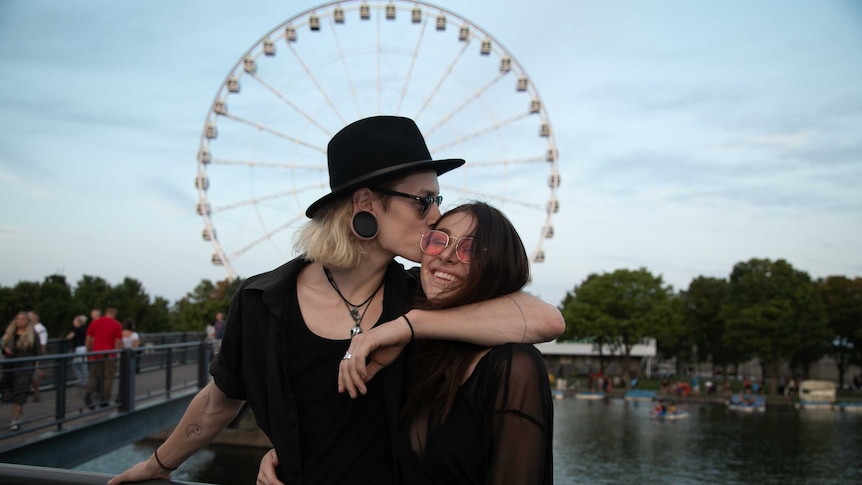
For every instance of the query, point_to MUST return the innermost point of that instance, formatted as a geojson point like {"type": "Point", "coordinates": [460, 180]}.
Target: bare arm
{"type": "Point", "coordinates": [89, 343]}
{"type": "Point", "coordinates": [518, 317]}
{"type": "Point", "coordinates": [208, 413]}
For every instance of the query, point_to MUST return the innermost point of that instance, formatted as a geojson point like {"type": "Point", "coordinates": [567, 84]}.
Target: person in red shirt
{"type": "Point", "coordinates": [104, 333]}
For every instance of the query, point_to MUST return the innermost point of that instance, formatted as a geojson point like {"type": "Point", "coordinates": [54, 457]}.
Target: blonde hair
{"type": "Point", "coordinates": [327, 238]}
{"type": "Point", "coordinates": [26, 340]}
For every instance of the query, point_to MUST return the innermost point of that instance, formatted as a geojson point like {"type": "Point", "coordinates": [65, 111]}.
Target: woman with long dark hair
{"type": "Point", "coordinates": [475, 414]}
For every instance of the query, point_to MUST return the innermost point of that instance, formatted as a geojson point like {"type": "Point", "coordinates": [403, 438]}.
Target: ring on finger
{"type": "Point", "coordinates": [347, 356]}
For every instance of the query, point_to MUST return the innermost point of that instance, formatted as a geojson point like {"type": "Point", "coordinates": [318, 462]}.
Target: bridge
{"type": "Point", "coordinates": [154, 385]}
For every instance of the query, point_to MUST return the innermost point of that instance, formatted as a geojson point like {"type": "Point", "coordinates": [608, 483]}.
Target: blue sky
{"type": "Point", "coordinates": [692, 135]}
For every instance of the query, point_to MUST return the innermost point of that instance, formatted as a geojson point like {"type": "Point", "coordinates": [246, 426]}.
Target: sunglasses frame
{"type": "Point", "coordinates": [448, 240]}
{"type": "Point", "coordinates": [426, 201]}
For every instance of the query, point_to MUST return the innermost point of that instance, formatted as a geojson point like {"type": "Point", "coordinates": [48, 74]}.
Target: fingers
{"type": "Point", "coordinates": [352, 371]}
{"type": "Point", "coordinates": [138, 473]}
{"type": "Point", "coordinates": [267, 474]}
{"type": "Point", "coordinates": [349, 379]}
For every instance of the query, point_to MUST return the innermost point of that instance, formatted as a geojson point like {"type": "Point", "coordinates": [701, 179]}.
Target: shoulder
{"type": "Point", "coordinates": [522, 353]}
{"type": "Point", "coordinates": [274, 278]}
{"type": "Point", "coordinates": [517, 363]}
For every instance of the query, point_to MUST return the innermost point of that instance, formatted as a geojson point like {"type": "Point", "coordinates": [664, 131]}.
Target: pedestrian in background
{"type": "Point", "coordinates": [104, 333]}
{"type": "Point", "coordinates": [42, 333]}
{"type": "Point", "coordinates": [218, 325]}
{"type": "Point", "coordinates": [19, 340]}
{"type": "Point", "coordinates": [78, 338]}
{"type": "Point", "coordinates": [131, 338]}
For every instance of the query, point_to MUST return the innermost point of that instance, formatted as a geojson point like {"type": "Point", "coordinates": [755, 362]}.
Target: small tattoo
{"type": "Point", "coordinates": [193, 429]}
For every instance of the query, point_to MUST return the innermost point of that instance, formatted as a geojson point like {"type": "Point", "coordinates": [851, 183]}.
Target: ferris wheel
{"type": "Point", "coordinates": [262, 154]}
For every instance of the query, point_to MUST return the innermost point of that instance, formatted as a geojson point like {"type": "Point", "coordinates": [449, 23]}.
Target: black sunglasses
{"type": "Point", "coordinates": [426, 201]}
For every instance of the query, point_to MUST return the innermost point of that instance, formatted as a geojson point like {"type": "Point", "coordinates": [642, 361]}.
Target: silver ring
{"type": "Point", "coordinates": [347, 356]}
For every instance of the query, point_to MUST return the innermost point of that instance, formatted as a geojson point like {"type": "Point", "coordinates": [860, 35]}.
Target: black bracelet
{"type": "Point", "coordinates": [160, 461]}
{"type": "Point", "coordinates": [409, 325]}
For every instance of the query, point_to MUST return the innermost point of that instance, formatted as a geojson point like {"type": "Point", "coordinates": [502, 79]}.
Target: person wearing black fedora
{"type": "Point", "coordinates": [287, 330]}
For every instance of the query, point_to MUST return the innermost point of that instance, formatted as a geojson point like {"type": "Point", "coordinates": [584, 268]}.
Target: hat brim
{"type": "Point", "coordinates": [439, 166]}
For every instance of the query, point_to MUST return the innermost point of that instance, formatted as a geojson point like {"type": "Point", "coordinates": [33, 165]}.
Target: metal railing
{"type": "Point", "coordinates": [154, 371]}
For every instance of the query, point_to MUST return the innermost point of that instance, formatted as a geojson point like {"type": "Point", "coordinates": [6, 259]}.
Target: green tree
{"type": "Point", "coordinates": [582, 325]}
{"type": "Point", "coordinates": [621, 309]}
{"type": "Point", "coordinates": [54, 305]}
{"type": "Point", "coordinates": [772, 312]}
{"type": "Point", "coordinates": [199, 307]}
{"type": "Point", "coordinates": [91, 292]}
{"type": "Point", "coordinates": [8, 306]}
{"type": "Point", "coordinates": [160, 318]}
{"type": "Point", "coordinates": [27, 295]}
{"type": "Point", "coordinates": [131, 301]}
{"type": "Point", "coordinates": [702, 314]}
{"type": "Point", "coordinates": [842, 299]}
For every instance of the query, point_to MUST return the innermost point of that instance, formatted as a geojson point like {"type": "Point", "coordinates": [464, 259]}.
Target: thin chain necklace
{"type": "Point", "coordinates": [354, 309]}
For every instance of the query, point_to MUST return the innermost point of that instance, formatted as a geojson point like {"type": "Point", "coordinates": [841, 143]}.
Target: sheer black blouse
{"type": "Point", "coordinates": [499, 431]}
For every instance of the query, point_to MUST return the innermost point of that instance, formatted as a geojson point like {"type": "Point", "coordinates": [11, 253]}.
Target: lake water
{"type": "Point", "coordinates": [612, 442]}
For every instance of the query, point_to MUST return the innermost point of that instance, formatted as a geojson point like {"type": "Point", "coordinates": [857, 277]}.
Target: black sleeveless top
{"type": "Point", "coordinates": [499, 431]}
{"type": "Point", "coordinates": [333, 424]}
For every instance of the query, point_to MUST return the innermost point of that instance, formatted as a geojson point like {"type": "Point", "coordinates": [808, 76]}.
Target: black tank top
{"type": "Point", "coordinates": [342, 440]}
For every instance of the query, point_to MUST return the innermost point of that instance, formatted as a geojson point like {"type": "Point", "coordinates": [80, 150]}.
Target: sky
{"type": "Point", "coordinates": [691, 135]}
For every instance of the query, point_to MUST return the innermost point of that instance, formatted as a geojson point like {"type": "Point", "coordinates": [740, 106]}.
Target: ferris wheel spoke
{"type": "Point", "coordinates": [507, 161]}
{"type": "Point", "coordinates": [264, 198]}
{"type": "Point", "coordinates": [266, 236]}
{"type": "Point", "coordinates": [480, 132]}
{"type": "Point", "coordinates": [269, 130]}
{"type": "Point", "coordinates": [413, 58]}
{"type": "Point", "coordinates": [475, 96]}
{"type": "Point", "coordinates": [316, 83]}
{"type": "Point", "coordinates": [379, 50]}
{"type": "Point", "coordinates": [494, 196]}
{"type": "Point", "coordinates": [343, 59]}
{"type": "Point", "coordinates": [279, 165]}
{"type": "Point", "coordinates": [296, 108]}
{"type": "Point", "coordinates": [443, 78]}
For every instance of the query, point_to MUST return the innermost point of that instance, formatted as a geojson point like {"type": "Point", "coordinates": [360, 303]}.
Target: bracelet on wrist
{"type": "Point", "coordinates": [409, 325]}
{"type": "Point", "coordinates": [156, 454]}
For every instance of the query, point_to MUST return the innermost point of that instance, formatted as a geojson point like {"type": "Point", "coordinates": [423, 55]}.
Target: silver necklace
{"type": "Point", "coordinates": [353, 309]}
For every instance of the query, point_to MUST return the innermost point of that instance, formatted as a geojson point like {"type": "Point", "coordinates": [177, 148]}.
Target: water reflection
{"type": "Point", "coordinates": [617, 442]}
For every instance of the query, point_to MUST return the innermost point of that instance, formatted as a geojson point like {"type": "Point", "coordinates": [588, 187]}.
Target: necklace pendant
{"type": "Point", "coordinates": [356, 330]}
{"type": "Point", "coordinates": [354, 312]}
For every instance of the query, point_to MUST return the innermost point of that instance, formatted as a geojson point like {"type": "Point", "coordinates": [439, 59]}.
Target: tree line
{"type": "Point", "coordinates": [58, 302]}
{"type": "Point", "coordinates": [765, 310]}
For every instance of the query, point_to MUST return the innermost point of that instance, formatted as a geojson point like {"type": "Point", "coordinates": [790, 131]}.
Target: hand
{"type": "Point", "coordinates": [145, 470]}
{"type": "Point", "coordinates": [380, 346]}
{"type": "Point", "coordinates": [266, 474]}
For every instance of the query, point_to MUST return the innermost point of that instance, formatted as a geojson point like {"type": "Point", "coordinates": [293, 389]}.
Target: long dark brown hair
{"type": "Point", "coordinates": [498, 266]}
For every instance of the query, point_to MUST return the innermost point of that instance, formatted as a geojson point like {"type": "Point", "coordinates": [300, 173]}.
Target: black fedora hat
{"type": "Point", "coordinates": [373, 150]}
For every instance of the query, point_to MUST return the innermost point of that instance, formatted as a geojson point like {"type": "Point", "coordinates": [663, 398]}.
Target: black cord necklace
{"type": "Point", "coordinates": [354, 309]}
